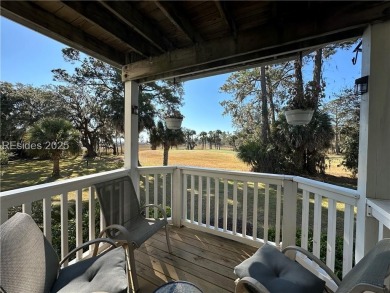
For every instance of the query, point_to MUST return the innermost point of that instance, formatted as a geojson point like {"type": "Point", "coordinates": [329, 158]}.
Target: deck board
{"type": "Point", "coordinates": [200, 258]}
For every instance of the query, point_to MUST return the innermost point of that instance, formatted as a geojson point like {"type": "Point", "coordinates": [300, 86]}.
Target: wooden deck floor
{"type": "Point", "coordinates": [203, 259]}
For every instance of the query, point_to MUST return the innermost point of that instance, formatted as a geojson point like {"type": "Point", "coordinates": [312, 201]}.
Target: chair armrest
{"type": "Point", "coordinates": [158, 207]}
{"type": "Point", "coordinates": [108, 230]}
{"type": "Point", "coordinates": [316, 260]}
{"type": "Point", "coordinates": [252, 283]}
{"type": "Point", "coordinates": [86, 244]}
{"type": "Point", "coordinates": [117, 227]}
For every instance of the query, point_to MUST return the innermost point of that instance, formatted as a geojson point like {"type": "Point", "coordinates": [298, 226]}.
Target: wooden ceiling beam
{"type": "Point", "coordinates": [34, 17]}
{"type": "Point", "coordinates": [225, 53]}
{"type": "Point", "coordinates": [179, 20]}
{"type": "Point", "coordinates": [126, 12]}
{"type": "Point", "coordinates": [101, 17]}
{"type": "Point", "coordinates": [295, 34]}
{"type": "Point", "coordinates": [226, 16]}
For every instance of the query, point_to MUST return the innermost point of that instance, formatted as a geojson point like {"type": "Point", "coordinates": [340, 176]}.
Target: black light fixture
{"type": "Point", "coordinates": [134, 110]}
{"type": "Point", "coordinates": [361, 85]}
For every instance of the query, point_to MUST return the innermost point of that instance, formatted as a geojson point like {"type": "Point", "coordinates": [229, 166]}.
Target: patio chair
{"type": "Point", "coordinates": [29, 263]}
{"type": "Point", "coordinates": [124, 219]}
{"type": "Point", "coordinates": [271, 271]}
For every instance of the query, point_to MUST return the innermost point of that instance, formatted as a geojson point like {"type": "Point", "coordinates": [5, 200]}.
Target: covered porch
{"type": "Point", "coordinates": [213, 205]}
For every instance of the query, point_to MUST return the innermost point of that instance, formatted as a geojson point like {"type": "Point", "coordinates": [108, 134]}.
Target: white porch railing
{"type": "Point", "coordinates": [380, 210]}
{"type": "Point", "coordinates": [248, 207]}
{"type": "Point", "coordinates": [43, 199]}
{"type": "Point", "coordinates": [242, 206]}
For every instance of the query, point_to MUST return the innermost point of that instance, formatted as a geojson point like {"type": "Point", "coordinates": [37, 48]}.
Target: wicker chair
{"type": "Point", "coordinates": [125, 220]}
{"type": "Point", "coordinates": [29, 263]}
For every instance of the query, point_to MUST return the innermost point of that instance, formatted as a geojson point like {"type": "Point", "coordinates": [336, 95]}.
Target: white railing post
{"type": "Point", "coordinates": [177, 198]}
{"type": "Point", "coordinates": [289, 222]}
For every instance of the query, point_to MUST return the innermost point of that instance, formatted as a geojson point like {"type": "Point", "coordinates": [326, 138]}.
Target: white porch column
{"type": "Point", "coordinates": [374, 142]}
{"type": "Point", "coordinates": [131, 131]}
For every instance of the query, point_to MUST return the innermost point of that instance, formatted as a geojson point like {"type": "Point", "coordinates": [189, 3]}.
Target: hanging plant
{"type": "Point", "coordinates": [173, 119]}
{"type": "Point", "coordinates": [303, 100]}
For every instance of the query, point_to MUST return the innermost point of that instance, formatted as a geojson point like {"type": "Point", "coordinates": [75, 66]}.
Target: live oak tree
{"type": "Point", "coordinates": [88, 94]}
{"type": "Point", "coordinates": [23, 105]}
{"type": "Point", "coordinates": [100, 89]}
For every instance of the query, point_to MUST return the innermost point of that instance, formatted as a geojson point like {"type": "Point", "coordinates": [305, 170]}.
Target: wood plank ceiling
{"type": "Point", "coordinates": [190, 39]}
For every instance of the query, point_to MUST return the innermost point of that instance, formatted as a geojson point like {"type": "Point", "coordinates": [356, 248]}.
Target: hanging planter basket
{"type": "Point", "coordinates": [299, 116]}
{"type": "Point", "coordinates": [173, 123]}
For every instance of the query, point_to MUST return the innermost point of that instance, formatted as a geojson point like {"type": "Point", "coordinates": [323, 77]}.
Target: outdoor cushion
{"type": "Point", "coordinates": [27, 254]}
{"type": "Point", "coordinates": [278, 273]}
{"type": "Point", "coordinates": [104, 273]}
{"type": "Point", "coordinates": [30, 264]}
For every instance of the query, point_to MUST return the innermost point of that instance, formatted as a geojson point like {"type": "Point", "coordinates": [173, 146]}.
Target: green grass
{"type": "Point", "coordinates": [24, 173]}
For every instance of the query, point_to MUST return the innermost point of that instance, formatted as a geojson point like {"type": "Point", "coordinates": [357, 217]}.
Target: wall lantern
{"type": "Point", "coordinates": [361, 85]}
{"type": "Point", "coordinates": [134, 110]}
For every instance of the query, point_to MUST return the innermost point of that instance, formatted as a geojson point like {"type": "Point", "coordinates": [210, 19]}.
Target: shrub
{"type": "Point", "coordinates": [4, 156]}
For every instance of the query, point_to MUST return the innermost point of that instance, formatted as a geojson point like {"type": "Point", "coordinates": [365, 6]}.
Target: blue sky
{"type": "Point", "coordinates": [28, 57]}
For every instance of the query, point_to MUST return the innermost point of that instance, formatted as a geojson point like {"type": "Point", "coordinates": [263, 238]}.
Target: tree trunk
{"type": "Point", "coordinates": [317, 72]}
{"type": "Point", "coordinates": [90, 151]}
{"type": "Point", "coordinates": [271, 102]}
{"type": "Point", "coordinates": [264, 107]}
{"type": "Point", "coordinates": [166, 152]}
{"type": "Point", "coordinates": [299, 80]}
{"type": "Point", "coordinates": [56, 166]}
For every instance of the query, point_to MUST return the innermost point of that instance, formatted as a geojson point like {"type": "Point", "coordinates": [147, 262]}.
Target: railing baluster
{"type": "Point", "coordinates": [278, 214]}
{"type": "Point", "coordinates": [46, 205]}
{"type": "Point", "coordinates": [216, 203]}
{"type": "Point", "coordinates": [317, 225]}
{"type": "Point", "coordinates": [244, 207]}
{"type": "Point", "coordinates": [331, 238]}
{"type": "Point", "coordinates": [121, 203]}
{"type": "Point", "coordinates": [225, 204]}
{"type": "Point", "coordinates": [305, 219]}
{"type": "Point", "coordinates": [26, 208]}
{"type": "Point", "coordinates": [147, 193]}
{"type": "Point", "coordinates": [112, 204]}
{"type": "Point", "coordinates": [380, 230]}
{"type": "Point", "coordinates": [266, 212]}
{"type": "Point", "coordinates": [155, 198]}
{"type": "Point", "coordinates": [255, 204]}
{"type": "Point", "coordinates": [185, 201]}
{"type": "Point", "coordinates": [192, 199]}
{"type": "Point", "coordinates": [348, 238]}
{"type": "Point", "coordinates": [64, 226]}
{"type": "Point", "coordinates": [235, 207]}
{"type": "Point", "coordinates": [208, 202]}
{"type": "Point", "coordinates": [92, 214]}
{"type": "Point", "coordinates": [200, 197]}
{"type": "Point", "coordinates": [79, 222]}
{"type": "Point", "coordinates": [164, 192]}
{"type": "Point", "coordinates": [102, 220]}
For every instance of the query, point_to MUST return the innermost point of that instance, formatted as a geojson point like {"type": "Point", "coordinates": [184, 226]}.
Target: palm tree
{"type": "Point", "coordinates": [160, 135]}
{"type": "Point", "coordinates": [53, 137]}
{"type": "Point", "coordinates": [203, 137]}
